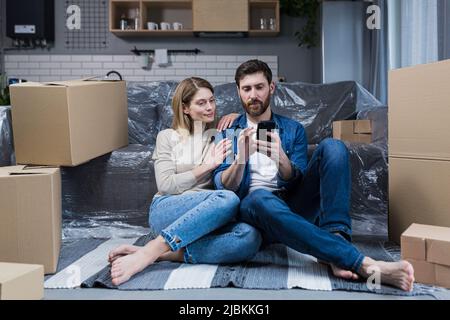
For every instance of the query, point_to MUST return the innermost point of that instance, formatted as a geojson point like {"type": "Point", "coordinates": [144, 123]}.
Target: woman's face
{"type": "Point", "coordinates": [202, 107]}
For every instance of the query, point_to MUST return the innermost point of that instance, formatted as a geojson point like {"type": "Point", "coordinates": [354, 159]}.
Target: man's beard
{"type": "Point", "coordinates": [257, 108]}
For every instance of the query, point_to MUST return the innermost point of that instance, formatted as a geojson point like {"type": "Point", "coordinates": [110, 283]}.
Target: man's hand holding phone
{"type": "Point", "coordinates": [246, 145]}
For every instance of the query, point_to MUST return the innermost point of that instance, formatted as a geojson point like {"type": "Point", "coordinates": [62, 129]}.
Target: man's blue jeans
{"type": "Point", "coordinates": [204, 224]}
{"type": "Point", "coordinates": [307, 217]}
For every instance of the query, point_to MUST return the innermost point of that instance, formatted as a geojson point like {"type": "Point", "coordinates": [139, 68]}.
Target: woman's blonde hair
{"type": "Point", "coordinates": [183, 95]}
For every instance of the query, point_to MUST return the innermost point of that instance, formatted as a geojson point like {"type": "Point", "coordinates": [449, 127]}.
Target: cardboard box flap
{"type": "Point", "coordinates": [362, 126]}
{"type": "Point", "coordinates": [26, 170]}
{"type": "Point", "coordinates": [10, 271]}
{"type": "Point", "coordinates": [428, 232]}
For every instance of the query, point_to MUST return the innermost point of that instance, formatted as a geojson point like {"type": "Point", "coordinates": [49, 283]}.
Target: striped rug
{"type": "Point", "coordinates": [84, 264]}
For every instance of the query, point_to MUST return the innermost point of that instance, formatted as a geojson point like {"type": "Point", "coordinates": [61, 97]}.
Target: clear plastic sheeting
{"type": "Point", "coordinates": [379, 117]}
{"type": "Point", "coordinates": [145, 101]}
{"type": "Point", "coordinates": [7, 157]}
{"type": "Point", "coordinates": [316, 106]}
{"type": "Point", "coordinates": [369, 197]}
{"type": "Point", "coordinates": [110, 196]}
{"type": "Point", "coordinates": [113, 190]}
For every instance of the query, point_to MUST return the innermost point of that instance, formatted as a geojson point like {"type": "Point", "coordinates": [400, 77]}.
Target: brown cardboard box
{"type": "Point", "coordinates": [67, 123]}
{"type": "Point", "coordinates": [30, 215]}
{"type": "Point", "coordinates": [418, 193]}
{"type": "Point", "coordinates": [353, 130]}
{"type": "Point", "coordinates": [21, 281]}
{"type": "Point", "coordinates": [428, 249]}
{"type": "Point", "coordinates": [419, 111]}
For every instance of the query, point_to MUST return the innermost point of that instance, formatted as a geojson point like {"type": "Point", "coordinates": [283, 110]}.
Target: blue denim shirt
{"type": "Point", "coordinates": [294, 143]}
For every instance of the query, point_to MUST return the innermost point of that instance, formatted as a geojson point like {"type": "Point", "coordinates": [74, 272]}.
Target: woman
{"type": "Point", "coordinates": [194, 223]}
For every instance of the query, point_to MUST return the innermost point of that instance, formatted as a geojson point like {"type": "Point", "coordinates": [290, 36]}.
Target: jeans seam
{"type": "Point", "coordinates": [357, 264]}
{"type": "Point", "coordinates": [171, 240]}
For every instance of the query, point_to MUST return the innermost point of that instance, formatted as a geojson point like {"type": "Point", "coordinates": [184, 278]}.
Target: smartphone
{"type": "Point", "coordinates": [263, 128]}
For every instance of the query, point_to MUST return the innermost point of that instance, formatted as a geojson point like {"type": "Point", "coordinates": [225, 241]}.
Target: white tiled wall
{"type": "Point", "coordinates": [42, 68]}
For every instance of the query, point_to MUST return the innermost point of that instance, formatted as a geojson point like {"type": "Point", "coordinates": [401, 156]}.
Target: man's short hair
{"type": "Point", "coordinates": [252, 67]}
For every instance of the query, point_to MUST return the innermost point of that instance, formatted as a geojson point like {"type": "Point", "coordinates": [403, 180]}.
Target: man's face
{"type": "Point", "coordinates": [255, 92]}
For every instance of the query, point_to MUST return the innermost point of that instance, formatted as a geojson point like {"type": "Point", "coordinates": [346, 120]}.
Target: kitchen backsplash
{"type": "Point", "coordinates": [43, 68]}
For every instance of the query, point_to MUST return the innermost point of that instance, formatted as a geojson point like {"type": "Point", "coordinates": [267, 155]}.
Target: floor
{"type": "Point", "coordinates": [221, 294]}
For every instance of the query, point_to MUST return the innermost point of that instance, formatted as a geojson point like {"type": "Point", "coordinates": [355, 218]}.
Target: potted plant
{"type": "Point", "coordinates": [307, 9]}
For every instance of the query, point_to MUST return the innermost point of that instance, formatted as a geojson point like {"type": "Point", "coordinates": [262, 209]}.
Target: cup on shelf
{"type": "Point", "coordinates": [272, 24]}
{"type": "Point", "coordinates": [263, 24]}
{"type": "Point", "coordinates": [152, 26]}
{"type": "Point", "coordinates": [177, 26]}
{"type": "Point", "coordinates": [165, 26]}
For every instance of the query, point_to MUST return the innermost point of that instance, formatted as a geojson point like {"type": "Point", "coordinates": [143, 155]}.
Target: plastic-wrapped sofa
{"type": "Point", "coordinates": [109, 196]}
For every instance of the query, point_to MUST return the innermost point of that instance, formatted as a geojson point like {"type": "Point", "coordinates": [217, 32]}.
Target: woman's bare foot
{"type": "Point", "coordinates": [176, 256]}
{"type": "Point", "coordinates": [399, 274]}
{"type": "Point", "coordinates": [121, 251]}
{"type": "Point", "coordinates": [125, 267]}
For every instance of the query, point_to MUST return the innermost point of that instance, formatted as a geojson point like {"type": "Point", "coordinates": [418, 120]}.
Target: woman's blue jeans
{"type": "Point", "coordinates": [204, 224]}
{"type": "Point", "coordinates": [309, 216]}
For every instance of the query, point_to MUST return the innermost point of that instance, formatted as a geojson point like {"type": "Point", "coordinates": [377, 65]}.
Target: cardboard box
{"type": "Point", "coordinates": [67, 123]}
{"type": "Point", "coordinates": [21, 281]}
{"type": "Point", "coordinates": [419, 111]}
{"type": "Point", "coordinates": [30, 215]}
{"type": "Point", "coordinates": [428, 249]}
{"type": "Point", "coordinates": [418, 193]}
{"type": "Point", "coordinates": [353, 130]}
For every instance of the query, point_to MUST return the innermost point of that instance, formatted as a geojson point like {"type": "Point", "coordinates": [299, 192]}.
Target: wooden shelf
{"type": "Point", "coordinates": [195, 16]}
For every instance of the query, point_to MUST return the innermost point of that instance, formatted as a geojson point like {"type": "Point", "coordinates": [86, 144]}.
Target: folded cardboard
{"type": "Point", "coordinates": [353, 130]}
{"type": "Point", "coordinates": [67, 123]}
{"type": "Point", "coordinates": [30, 215]}
{"type": "Point", "coordinates": [428, 249]}
{"type": "Point", "coordinates": [21, 281]}
{"type": "Point", "coordinates": [419, 111]}
{"type": "Point", "coordinates": [418, 193]}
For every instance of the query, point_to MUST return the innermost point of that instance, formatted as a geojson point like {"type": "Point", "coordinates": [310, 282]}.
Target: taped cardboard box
{"type": "Point", "coordinates": [419, 111]}
{"type": "Point", "coordinates": [21, 281]}
{"type": "Point", "coordinates": [428, 249]}
{"type": "Point", "coordinates": [30, 215]}
{"type": "Point", "coordinates": [418, 193]}
{"type": "Point", "coordinates": [353, 130]}
{"type": "Point", "coordinates": [67, 123]}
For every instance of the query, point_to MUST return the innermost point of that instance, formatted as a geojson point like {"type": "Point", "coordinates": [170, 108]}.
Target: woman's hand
{"type": "Point", "coordinates": [226, 121]}
{"type": "Point", "coordinates": [218, 153]}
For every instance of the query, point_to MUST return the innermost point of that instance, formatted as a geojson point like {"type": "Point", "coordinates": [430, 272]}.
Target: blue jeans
{"type": "Point", "coordinates": [204, 224]}
{"type": "Point", "coordinates": [307, 217]}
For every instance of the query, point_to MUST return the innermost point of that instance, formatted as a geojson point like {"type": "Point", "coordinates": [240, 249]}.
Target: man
{"type": "Point", "coordinates": [302, 205]}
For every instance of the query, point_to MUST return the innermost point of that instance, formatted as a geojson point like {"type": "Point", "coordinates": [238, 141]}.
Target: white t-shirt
{"type": "Point", "coordinates": [263, 170]}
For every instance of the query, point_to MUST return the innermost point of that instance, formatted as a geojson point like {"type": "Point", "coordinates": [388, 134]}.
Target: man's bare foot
{"type": "Point", "coordinates": [121, 251]}
{"type": "Point", "coordinates": [342, 273]}
{"type": "Point", "coordinates": [125, 267]}
{"type": "Point", "coordinates": [399, 274]}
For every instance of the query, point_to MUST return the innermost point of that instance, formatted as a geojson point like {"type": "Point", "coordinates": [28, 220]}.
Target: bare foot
{"type": "Point", "coordinates": [125, 267]}
{"type": "Point", "coordinates": [399, 274]}
{"type": "Point", "coordinates": [176, 256]}
{"type": "Point", "coordinates": [342, 273]}
{"type": "Point", "coordinates": [121, 251]}
{"type": "Point", "coordinates": [345, 274]}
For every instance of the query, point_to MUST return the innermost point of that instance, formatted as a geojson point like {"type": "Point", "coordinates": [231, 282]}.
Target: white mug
{"type": "Point", "coordinates": [165, 26]}
{"type": "Point", "coordinates": [177, 26]}
{"type": "Point", "coordinates": [152, 26]}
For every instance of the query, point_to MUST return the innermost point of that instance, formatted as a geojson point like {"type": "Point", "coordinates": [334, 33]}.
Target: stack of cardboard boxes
{"type": "Point", "coordinates": [419, 168]}
{"type": "Point", "coordinates": [419, 147]}
{"type": "Point", "coordinates": [427, 248]}
{"type": "Point", "coordinates": [55, 124]}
